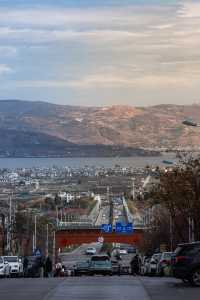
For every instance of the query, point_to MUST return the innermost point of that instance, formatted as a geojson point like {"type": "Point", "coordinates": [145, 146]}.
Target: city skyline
{"type": "Point", "coordinates": [94, 53]}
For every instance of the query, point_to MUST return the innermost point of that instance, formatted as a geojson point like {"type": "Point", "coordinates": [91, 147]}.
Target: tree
{"type": "Point", "coordinates": [178, 192]}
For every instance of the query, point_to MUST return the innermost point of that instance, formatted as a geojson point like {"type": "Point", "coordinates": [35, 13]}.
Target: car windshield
{"type": "Point", "coordinates": [100, 258]}
{"type": "Point", "coordinates": [167, 255]}
{"type": "Point", "coordinates": [11, 258]}
{"type": "Point", "coordinates": [188, 250]}
{"type": "Point", "coordinates": [101, 262]}
{"type": "Point", "coordinates": [82, 264]}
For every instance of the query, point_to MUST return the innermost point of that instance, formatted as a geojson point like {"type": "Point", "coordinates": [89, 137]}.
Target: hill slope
{"type": "Point", "coordinates": [150, 127]}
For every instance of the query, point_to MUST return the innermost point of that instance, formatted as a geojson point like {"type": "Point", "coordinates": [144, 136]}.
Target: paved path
{"type": "Point", "coordinates": [97, 288]}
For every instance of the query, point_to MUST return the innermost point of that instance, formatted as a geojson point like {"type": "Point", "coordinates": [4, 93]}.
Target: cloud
{"type": "Point", "coordinates": [32, 36]}
{"type": "Point", "coordinates": [137, 47]}
{"type": "Point", "coordinates": [98, 81]}
{"type": "Point", "coordinates": [59, 17]}
{"type": "Point", "coordinates": [189, 9]}
{"type": "Point", "coordinates": [8, 51]}
{"type": "Point", "coordinates": [4, 69]}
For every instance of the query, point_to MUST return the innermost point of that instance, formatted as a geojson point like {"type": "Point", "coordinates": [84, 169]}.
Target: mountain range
{"type": "Point", "coordinates": [41, 126]}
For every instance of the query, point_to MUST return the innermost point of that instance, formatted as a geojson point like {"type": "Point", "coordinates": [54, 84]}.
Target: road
{"type": "Point", "coordinates": [69, 259]}
{"type": "Point", "coordinates": [104, 216]}
{"type": "Point", "coordinates": [98, 288]}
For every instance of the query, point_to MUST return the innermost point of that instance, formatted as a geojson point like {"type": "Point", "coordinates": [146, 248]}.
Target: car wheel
{"type": "Point", "coordinates": [185, 280]}
{"type": "Point", "coordinates": [195, 277]}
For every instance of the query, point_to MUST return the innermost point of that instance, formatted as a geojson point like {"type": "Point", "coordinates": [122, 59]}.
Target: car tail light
{"type": "Point", "coordinates": [165, 262]}
{"type": "Point", "coordinates": [180, 258]}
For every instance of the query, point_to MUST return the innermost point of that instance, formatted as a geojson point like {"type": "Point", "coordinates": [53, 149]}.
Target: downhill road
{"type": "Point", "coordinates": [97, 288]}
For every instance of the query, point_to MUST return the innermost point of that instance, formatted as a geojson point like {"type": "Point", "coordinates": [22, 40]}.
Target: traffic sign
{"type": "Point", "coordinates": [37, 252]}
{"type": "Point", "coordinates": [123, 228]}
{"type": "Point", "coordinates": [118, 227]}
{"type": "Point", "coordinates": [106, 228]}
{"type": "Point", "coordinates": [100, 239]}
{"type": "Point", "coordinates": [129, 228]}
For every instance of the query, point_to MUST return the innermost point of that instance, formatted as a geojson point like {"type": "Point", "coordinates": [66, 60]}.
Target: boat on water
{"type": "Point", "coordinates": [168, 162]}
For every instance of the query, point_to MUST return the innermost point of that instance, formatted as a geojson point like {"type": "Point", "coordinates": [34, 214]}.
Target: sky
{"type": "Point", "coordinates": [100, 52]}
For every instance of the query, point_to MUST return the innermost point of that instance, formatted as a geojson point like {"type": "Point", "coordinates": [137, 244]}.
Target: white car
{"type": "Point", "coordinates": [153, 264]}
{"type": "Point", "coordinates": [122, 251]}
{"type": "Point", "coordinates": [16, 266]}
{"type": "Point", "coordinates": [4, 268]}
{"type": "Point", "coordinates": [90, 251]}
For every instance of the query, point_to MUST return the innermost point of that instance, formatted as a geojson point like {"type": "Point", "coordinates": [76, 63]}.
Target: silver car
{"type": "Point", "coordinates": [4, 268]}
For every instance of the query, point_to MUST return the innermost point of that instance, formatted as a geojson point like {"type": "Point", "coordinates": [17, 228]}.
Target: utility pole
{"type": "Point", "coordinates": [133, 188]}
{"type": "Point", "coordinates": [54, 249]}
{"type": "Point", "coordinates": [33, 243]}
{"type": "Point", "coordinates": [171, 233]}
{"type": "Point", "coordinates": [47, 241]}
{"type": "Point", "coordinates": [35, 239]}
{"type": "Point", "coordinates": [57, 218]}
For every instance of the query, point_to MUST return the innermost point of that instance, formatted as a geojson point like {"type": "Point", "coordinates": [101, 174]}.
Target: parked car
{"type": "Point", "coordinates": [115, 267]}
{"type": "Point", "coordinates": [35, 264]}
{"type": "Point", "coordinates": [144, 265]}
{"type": "Point", "coordinates": [90, 251]}
{"type": "Point", "coordinates": [16, 266]}
{"type": "Point", "coordinates": [153, 263]}
{"type": "Point", "coordinates": [122, 251]}
{"type": "Point", "coordinates": [186, 263]}
{"type": "Point", "coordinates": [165, 261]}
{"type": "Point", "coordinates": [4, 268]}
{"type": "Point", "coordinates": [81, 268]}
{"type": "Point", "coordinates": [131, 250]}
{"type": "Point", "coordinates": [100, 264]}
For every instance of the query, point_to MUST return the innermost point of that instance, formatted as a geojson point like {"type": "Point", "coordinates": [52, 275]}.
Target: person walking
{"type": "Point", "coordinates": [135, 265]}
{"type": "Point", "coordinates": [25, 266]}
{"type": "Point", "coordinates": [48, 267]}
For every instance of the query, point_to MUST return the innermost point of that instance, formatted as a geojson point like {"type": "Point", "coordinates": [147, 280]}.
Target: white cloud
{"type": "Point", "coordinates": [4, 69]}
{"type": "Point", "coordinates": [8, 51]}
{"type": "Point", "coordinates": [190, 9]}
{"type": "Point", "coordinates": [136, 47]}
{"type": "Point", "coordinates": [48, 17]}
{"type": "Point", "coordinates": [113, 81]}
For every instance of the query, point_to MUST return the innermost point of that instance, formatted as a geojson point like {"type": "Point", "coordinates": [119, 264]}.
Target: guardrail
{"type": "Point", "coordinates": [127, 212]}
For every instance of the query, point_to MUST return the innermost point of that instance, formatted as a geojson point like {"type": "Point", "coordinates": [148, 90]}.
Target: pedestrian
{"type": "Point", "coordinates": [58, 269]}
{"type": "Point", "coordinates": [119, 268]}
{"type": "Point", "coordinates": [48, 267]}
{"type": "Point", "coordinates": [135, 265]}
{"type": "Point", "coordinates": [108, 253]}
{"type": "Point", "coordinates": [25, 266]}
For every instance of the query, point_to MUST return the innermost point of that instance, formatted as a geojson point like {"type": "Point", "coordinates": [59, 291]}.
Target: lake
{"type": "Point", "coordinates": [79, 162]}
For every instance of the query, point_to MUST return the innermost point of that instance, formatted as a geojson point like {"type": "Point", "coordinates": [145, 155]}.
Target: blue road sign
{"type": "Point", "coordinates": [123, 228]}
{"type": "Point", "coordinates": [129, 228]}
{"type": "Point", "coordinates": [37, 252]}
{"type": "Point", "coordinates": [118, 227]}
{"type": "Point", "coordinates": [106, 228]}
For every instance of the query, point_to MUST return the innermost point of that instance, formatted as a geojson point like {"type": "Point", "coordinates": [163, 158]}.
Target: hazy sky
{"type": "Point", "coordinates": [100, 52]}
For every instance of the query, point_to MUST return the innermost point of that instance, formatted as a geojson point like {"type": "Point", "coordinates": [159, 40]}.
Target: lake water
{"type": "Point", "coordinates": [137, 162]}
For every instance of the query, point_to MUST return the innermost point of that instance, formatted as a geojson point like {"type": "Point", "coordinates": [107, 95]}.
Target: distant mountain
{"type": "Point", "coordinates": [148, 127]}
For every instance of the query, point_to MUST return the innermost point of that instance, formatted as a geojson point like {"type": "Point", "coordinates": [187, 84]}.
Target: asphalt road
{"type": "Point", "coordinates": [69, 259]}
{"type": "Point", "coordinates": [104, 216]}
{"type": "Point", "coordinates": [97, 288]}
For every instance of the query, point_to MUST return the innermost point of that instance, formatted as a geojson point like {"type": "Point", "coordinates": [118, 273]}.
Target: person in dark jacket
{"type": "Point", "coordinates": [25, 266]}
{"type": "Point", "coordinates": [48, 267]}
{"type": "Point", "coordinates": [135, 265]}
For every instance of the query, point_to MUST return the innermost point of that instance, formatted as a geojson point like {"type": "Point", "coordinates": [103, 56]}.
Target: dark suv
{"type": "Point", "coordinates": [186, 263]}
